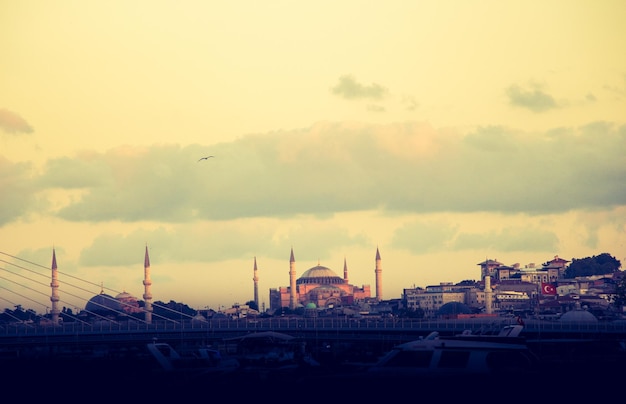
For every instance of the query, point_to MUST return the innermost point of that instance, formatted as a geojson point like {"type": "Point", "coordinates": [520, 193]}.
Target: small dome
{"type": "Point", "coordinates": [578, 316]}
{"type": "Point", "coordinates": [198, 318]}
{"type": "Point", "coordinates": [310, 306]}
{"type": "Point", "coordinates": [124, 295]}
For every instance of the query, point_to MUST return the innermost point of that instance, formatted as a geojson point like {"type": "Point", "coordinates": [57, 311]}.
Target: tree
{"type": "Point", "coordinates": [284, 311]}
{"type": "Point", "coordinates": [619, 297]}
{"type": "Point", "coordinates": [603, 264]}
{"type": "Point", "coordinates": [411, 313]}
{"type": "Point", "coordinates": [252, 304]}
{"type": "Point", "coordinates": [172, 310]}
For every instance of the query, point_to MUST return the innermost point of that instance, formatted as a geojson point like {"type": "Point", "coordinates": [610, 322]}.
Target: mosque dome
{"type": "Point", "coordinates": [102, 303]}
{"type": "Point", "coordinates": [310, 306]}
{"type": "Point", "coordinates": [124, 296]}
{"type": "Point", "coordinates": [578, 316]}
{"type": "Point", "coordinates": [198, 318]}
{"type": "Point", "coordinates": [319, 275]}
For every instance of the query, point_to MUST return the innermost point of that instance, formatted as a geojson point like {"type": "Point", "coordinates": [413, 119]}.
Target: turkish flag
{"type": "Point", "coordinates": [548, 289]}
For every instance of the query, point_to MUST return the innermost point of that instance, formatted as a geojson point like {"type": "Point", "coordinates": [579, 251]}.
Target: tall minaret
{"type": "Point", "coordinates": [379, 277]}
{"type": "Point", "coordinates": [255, 278]}
{"type": "Point", "coordinates": [345, 271]}
{"type": "Point", "coordinates": [488, 295]}
{"type": "Point", "coordinates": [147, 283]}
{"type": "Point", "coordinates": [54, 284]}
{"type": "Point", "coordinates": [293, 296]}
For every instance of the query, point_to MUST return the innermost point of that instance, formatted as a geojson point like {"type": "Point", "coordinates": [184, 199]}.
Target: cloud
{"type": "Point", "coordinates": [348, 88]}
{"type": "Point", "coordinates": [534, 99]}
{"type": "Point", "coordinates": [410, 102]}
{"type": "Point", "coordinates": [619, 90]}
{"type": "Point", "coordinates": [509, 239]}
{"type": "Point", "coordinates": [424, 236]}
{"type": "Point", "coordinates": [427, 236]}
{"type": "Point", "coordinates": [228, 240]}
{"type": "Point", "coordinates": [40, 260]}
{"type": "Point", "coordinates": [79, 172]}
{"type": "Point", "coordinates": [18, 191]}
{"type": "Point", "coordinates": [376, 108]}
{"type": "Point", "coordinates": [334, 167]}
{"type": "Point", "coordinates": [12, 123]}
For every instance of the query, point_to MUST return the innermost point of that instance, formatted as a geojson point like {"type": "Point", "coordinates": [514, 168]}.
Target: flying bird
{"type": "Point", "coordinates": [206, 158]}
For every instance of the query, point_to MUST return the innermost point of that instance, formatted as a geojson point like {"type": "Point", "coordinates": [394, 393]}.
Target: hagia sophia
{"type": "Point", "coordinates": [320, 287]}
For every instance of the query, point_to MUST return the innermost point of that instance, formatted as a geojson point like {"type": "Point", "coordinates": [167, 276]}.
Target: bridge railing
{"type": "Point", "coordinates": [294, 324]}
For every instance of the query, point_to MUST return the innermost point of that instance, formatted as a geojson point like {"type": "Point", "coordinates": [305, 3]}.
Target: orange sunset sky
{"type": "Point", "coordinates": [441, 132]}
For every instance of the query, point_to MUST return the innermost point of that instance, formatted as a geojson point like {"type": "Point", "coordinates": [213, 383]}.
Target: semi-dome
{"type": "Point", "coordinates": [327, 290]}
{"type": "Point", "coordinates": [319, 274]}
{"type": "Point", "coordinates": [326, 295]}
{"type": "Point", "coordinates": [128, 302]}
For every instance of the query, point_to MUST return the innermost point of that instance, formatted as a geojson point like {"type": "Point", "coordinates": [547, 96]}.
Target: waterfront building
{"type": "Point", "coordinates": [430, 300]}
{"type": "Point", "coordinates": [558, 263]}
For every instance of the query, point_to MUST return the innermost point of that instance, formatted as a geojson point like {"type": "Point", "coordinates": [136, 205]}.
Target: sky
{"type": "Point", "coordinates": [441, 133]}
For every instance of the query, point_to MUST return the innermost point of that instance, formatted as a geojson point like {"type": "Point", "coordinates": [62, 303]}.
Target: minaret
{"type": "Point", "coordinates": [255, 278]}
{"type": "Point", "coordinates": [488, 295]}
{"type": "Point", "coordinates": [379, 277]}
{"type": "Point", "coordinates": [147, 283]}
{"type": "Point", "coordinates": [345, 271]}
{"type": "Point", "coordinates": [293, 297]}
{"type": "Point", "coordinates": [54, 284]}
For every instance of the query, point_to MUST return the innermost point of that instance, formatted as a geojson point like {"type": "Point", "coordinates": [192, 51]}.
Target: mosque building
{"type": "Point", "coordinates": [105, 304]}
{"type": "Point", "coordinates": [321, 287]}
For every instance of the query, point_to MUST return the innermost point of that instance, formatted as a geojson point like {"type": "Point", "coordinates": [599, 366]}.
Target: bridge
{"type": "Point", "coordinates": [83, 338]}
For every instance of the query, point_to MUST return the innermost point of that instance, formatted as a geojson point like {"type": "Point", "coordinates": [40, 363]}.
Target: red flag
{"type": "Point", "coordinates": [548, 289]}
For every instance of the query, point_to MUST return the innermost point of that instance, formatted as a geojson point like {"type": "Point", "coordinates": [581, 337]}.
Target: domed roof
{"type": "Point", "coordinates": [102, 302]}
{"type": "Point", "coordinates": [454, 308]}
{"type": "Point", "coordinates": [310, 305]}
{"type": "Point", "coordinates": [578, 315]}
{"type": "Point", "coordinates": [319, 274]}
